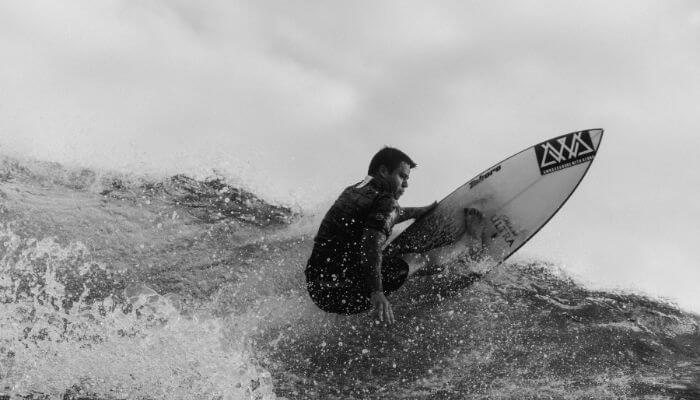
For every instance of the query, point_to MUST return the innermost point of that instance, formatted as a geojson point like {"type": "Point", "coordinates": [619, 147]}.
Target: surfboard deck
{"type": "Point", "coordinates": [516, 196]}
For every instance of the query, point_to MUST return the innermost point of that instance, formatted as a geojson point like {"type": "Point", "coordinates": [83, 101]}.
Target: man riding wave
{"type": "Point", "coordinates": [347, 273]}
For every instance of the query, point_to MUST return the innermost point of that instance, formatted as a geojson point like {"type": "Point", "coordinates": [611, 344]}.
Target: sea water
{"type": "Point", "coordinates": [125, 286]}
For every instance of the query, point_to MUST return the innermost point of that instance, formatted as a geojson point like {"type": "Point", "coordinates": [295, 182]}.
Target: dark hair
{"type": "Point", "coordinates": [390, 158]}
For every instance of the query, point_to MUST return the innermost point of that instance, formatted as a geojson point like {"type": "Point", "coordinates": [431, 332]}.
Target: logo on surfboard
{"type": "Point", "coordinates": [483, 176]}
{"type": "Point", "coordinates": [504, 228]}
{"type": "Point", "coordinates": [564, 152]}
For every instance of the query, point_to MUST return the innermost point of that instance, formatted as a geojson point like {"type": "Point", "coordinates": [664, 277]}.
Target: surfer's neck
{"type": "Point", "coordinates": [380, 183]}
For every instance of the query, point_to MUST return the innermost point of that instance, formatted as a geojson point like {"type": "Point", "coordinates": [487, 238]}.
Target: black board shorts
{"type": "Point", "coordinates": [349, 297]}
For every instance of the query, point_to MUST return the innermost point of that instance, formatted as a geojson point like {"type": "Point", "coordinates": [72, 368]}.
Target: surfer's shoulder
{"type": "Point", "coordinates": [366, 197]}
{"type": "Point", "coordinates": [358, 194]}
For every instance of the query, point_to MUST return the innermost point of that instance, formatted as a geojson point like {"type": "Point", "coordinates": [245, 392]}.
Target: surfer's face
{"type": "Point", "coordinates": [397, 179]}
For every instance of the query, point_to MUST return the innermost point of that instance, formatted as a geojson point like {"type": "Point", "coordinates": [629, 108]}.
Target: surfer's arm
{"type": "Point", "coordinates": [371, 256]}
{"type": "Point", "coordinates": [372, 243]}
{"type": "Point", "coordinates": [414, 212]}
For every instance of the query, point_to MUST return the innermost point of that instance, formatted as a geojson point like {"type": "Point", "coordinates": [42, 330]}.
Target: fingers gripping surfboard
{"type": "Point", "coordinates": [517, 197]}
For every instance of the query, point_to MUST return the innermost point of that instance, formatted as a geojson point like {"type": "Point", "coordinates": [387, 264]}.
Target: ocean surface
{"type": "Point", "coordinates": [126, 286]}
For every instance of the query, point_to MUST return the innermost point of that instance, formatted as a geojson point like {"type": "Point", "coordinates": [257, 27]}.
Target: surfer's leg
{"type": "Point", "coordinates": [433, 261]}
{"type": "Point", "coordinates": [344, 300]}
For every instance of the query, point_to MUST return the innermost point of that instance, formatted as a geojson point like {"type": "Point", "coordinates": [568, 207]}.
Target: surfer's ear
{"type": "Point", "coordinates": [384, 171]}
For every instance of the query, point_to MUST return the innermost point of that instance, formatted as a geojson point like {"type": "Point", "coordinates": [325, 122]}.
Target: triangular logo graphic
{"type": "Point", "coordinates": [549, 158]}
{"type": "Point", "coordinates": [565, 151]}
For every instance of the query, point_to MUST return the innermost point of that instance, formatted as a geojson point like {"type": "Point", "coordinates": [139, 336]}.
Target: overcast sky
{"type": "Point", "coordinates": [293, 98]}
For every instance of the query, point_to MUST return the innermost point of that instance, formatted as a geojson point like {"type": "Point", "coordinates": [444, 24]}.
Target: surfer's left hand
{"type": "Point", "coordinates": [382, 307]}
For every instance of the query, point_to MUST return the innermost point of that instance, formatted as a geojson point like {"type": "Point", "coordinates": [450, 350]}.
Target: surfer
{"type": "Point", "coordinates": [346, 273]}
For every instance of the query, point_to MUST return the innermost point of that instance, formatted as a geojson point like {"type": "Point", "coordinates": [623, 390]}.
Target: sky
{"type": "Point", "coordinates": [292, 99]}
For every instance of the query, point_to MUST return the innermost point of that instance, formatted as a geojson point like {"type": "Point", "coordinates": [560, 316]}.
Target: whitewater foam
{"type": "Point", "coordinates": [142, 348]}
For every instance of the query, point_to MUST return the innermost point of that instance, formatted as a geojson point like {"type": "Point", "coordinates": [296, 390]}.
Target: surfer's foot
{"type": "Point", "coordinates": [474, 222]}
{"type": "Point", "coordinates": [435, 261]}
{"type": "Point", "coordinates": [468, 240]}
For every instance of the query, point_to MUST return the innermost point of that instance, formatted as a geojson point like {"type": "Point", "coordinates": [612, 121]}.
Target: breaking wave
{"type": "Point", "coordinates": [117, 286]}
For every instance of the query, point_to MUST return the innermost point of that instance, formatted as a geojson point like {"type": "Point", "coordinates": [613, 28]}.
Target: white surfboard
{"type": "Point", "coordinates": [517, 197]}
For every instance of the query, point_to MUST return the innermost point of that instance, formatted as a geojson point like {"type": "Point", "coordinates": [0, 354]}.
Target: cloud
{"type": "Point", "coordinates": [293, 98]}
{"type": "Point", "coordinates": [280, 84]}
{"type": "Point", "coordinates": [155, 74]}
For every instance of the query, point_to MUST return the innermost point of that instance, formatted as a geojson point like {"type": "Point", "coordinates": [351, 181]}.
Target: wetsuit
{"type": "Point", "coordinates": [339, 278]}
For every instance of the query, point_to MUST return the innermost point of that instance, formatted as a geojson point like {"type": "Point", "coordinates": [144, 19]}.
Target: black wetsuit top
{"type": "Point", "coordinates": [336, 259]}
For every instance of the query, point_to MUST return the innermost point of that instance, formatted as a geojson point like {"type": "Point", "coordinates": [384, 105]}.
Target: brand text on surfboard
{"type": "Point", "coordinates": [483, 176]}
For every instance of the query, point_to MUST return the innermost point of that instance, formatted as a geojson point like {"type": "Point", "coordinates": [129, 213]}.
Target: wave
{"type": "Point", "coordinates": [117, 286]}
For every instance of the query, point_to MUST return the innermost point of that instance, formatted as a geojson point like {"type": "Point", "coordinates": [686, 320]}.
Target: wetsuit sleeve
{"type": "Point", "coordinates": [371, 258]}
{"type": "Point", "coordinates": [383, 214]}
{"type": "Point", "coordinates": [380, 220]}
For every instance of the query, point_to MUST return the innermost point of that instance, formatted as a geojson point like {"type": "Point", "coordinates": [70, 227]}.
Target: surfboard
{"type": "Point", "coordinates": [516, 196]}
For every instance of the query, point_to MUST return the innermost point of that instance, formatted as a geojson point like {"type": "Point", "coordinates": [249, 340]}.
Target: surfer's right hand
{"type": "Point", "coordinates": [383, 307]}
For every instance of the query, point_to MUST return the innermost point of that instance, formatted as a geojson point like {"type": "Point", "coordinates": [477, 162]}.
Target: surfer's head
{"type": "Point", "coordinates": [393, 167]}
